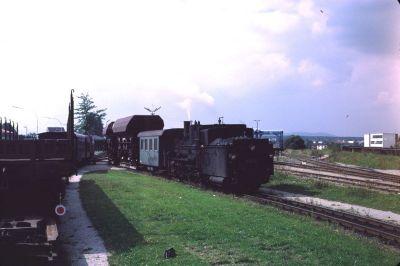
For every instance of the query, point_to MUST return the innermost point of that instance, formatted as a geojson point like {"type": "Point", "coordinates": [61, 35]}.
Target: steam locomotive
{"type": "Point", "coordinates": [227, 155]}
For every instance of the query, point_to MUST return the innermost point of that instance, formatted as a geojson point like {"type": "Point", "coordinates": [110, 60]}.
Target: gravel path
{"type": "Point", "coordinates": [386, 216]}
{"type": "Point", "coordinates": [80, 242]}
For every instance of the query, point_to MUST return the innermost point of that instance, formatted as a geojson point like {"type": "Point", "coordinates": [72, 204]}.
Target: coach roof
{"type": "Point", "coordinates": [159, 133]}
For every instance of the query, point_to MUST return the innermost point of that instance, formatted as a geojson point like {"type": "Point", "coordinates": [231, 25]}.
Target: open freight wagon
{"type": "Point", "coordinates": [33, 175]}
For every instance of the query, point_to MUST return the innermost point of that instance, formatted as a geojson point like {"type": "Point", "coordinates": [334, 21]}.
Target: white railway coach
{"type": "Point", "coordinates": [155, 146]}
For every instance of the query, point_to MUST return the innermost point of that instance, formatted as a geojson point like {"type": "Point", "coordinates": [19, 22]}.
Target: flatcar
{"type": "Point", "coordinates": [33, 175]}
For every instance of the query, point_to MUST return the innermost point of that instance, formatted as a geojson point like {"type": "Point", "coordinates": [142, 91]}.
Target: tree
{"type": "Point", "coordinates": [90, 119]}
{"type": "Point", "coordinates": [294, 142]}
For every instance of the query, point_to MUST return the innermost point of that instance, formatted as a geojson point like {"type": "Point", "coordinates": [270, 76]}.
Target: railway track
{"type": "Point", "coordinates": [386, 232]}
{"type": "Point", "coordinates": [359, 171]}
{"type": "Point", "coordinates": [334, 168]}
{"type": "Point", "coordinates": [375, 182]}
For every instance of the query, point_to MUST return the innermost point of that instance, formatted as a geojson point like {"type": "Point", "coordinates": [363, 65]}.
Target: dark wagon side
{"type": "Point", "coordinates": [33, 175]}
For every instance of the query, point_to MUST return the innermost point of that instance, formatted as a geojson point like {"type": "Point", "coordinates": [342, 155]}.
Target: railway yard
{"type": "Point", "coordinates": [198, 195]}
{"type": "Point", "coordinates": [296, 190]}
{"type": "Point", "coordinates": [360, 226]}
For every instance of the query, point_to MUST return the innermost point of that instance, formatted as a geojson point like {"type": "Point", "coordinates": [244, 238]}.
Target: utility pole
{"type": "Point", "coordinates": [257, 133]}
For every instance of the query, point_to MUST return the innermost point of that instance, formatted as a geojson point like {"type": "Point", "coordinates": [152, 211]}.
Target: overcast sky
{"type": "Point", "coordinates": [315, 66]}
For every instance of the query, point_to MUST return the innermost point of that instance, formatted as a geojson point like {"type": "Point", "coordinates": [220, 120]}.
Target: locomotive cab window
{"type": "Point", "coordinates": [141, 144]}
{"type": "Point", "coordinates": [145, 144]}
{"type": "Point", "coordinates": [150, 144]}
{"type": "Point", "coordinates": [155, 144]}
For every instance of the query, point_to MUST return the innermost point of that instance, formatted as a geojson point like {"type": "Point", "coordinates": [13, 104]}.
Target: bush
{"type": "Point", "coordinates": [295, 142]}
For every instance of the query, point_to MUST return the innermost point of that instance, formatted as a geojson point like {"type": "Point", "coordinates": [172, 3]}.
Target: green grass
{"type": "Point", "coordinates": [371, 160]}
{"type": "Point", "coordinates": [364, 159]}
{"type": "Point", "coordinates": [140, 216]}
{"type": "Point", "coordinates": [320, 189]}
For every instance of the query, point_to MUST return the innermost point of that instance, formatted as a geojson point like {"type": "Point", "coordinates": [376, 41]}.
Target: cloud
{"type": "Point", "coordinates": [205, 57]}
{"type": "Point", "coordinates": [367, 26]}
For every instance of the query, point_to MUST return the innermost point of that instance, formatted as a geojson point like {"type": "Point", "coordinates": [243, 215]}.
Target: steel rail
{"type": "Point", "coordinates": [392, 188]}
{"type": "Point", "coordinates": [371, 173]}
{"type": "Point", "coordinates": [364, 171]}
{"type": "Point", "coordinates": [344, 170]}
{"type": "Point", "coordinates": [387, 232]}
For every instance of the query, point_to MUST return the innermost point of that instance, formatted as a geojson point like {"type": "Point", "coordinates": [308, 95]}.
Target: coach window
{"type": "Point", "coordinates": [155, 144]}
{"type": "Point", "coordinates": [141, 144]}
{"type": "Point", "coordinates": [150, 144]}
{"type": "Point", "coordinates": [145, 144]}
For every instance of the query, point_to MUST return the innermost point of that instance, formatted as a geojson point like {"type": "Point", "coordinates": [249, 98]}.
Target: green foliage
{"type": "Point", "coordinates": [139, 217]}
{"type": "Point", "coordinates": [295, 142]}
{"type": "Point", "coordinates": [334, 147]}
{"type": "Point", "coordinates": [90, 119]}
{"type": "Point", "coordinates": [316, 153]}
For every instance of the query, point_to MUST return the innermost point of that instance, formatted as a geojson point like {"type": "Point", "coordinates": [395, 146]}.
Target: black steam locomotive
{"type": "Point", "coordinates": [224, 154]}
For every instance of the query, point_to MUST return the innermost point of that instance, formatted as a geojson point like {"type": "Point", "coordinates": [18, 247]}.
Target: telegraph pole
{"type": "Point", "coordinates": [257, 120]}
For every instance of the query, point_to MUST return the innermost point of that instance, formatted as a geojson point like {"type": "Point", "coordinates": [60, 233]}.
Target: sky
{"type": "Point", "coordinates": [309, 66]}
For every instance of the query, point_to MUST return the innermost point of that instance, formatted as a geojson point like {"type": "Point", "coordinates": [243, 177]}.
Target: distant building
{"type": "Point", "coordinates": [321, 147]}
{"type": "Point", "coordinates": [380, 140]}
{"type": "Point", "coordinates": [55, 129]}
{"type": "Point", "coordinates": [318, 145]}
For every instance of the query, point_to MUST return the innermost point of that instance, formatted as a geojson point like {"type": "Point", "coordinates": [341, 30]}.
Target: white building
{"type": "Point", "coordinates": [321, 147]}
{"type": "Point", "coordinates": [380, 140]}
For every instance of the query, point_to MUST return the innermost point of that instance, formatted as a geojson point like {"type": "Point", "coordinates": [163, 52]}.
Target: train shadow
{"type": "Point", "coordinates": [118, 234]}
{"type": "Point", "coordinates": [298, 189]}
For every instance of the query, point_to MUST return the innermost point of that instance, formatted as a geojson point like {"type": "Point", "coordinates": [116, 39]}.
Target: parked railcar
{"type": "Point", "coordinates": [156, 147]}
{"type": "Point", "coordinates": [33, 175]}
{"type": "Point", "coordinates": [83, 145]}
{"type": "Point", "coordinates": [122, 141]}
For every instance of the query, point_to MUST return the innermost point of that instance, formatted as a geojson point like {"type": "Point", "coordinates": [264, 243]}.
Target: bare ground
{"type": "Point", "coordinates": [79, 241]}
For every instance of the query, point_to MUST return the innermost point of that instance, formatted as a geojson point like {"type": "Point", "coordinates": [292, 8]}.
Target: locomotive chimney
{"type": "Point", "coordinates": [186, 128]}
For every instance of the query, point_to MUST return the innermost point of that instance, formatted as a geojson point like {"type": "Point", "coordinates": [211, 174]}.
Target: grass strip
{"type": "Point", "coordinates": [365, 159]}
{"type": "Point", "coordinates": [325, 190]}
{"type": "Point", "coordinates": [140, 216]}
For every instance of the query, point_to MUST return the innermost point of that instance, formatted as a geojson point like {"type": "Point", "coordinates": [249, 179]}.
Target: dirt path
{"type": "Point", "coordinates": [80, 242]}
{"type": "Point", "coordinates": [386, 216]}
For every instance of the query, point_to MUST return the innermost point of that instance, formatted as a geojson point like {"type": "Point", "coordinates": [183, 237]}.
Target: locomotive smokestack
{"type": "Point", "coordinates": [186, 128]}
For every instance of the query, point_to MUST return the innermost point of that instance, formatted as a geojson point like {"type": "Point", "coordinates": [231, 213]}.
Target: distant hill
{"type": "Point", "coordinates": [309, 134]}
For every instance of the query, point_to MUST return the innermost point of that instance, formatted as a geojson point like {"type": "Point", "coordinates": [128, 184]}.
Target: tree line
{"type": "Point", "coordinates": [89, 119]}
